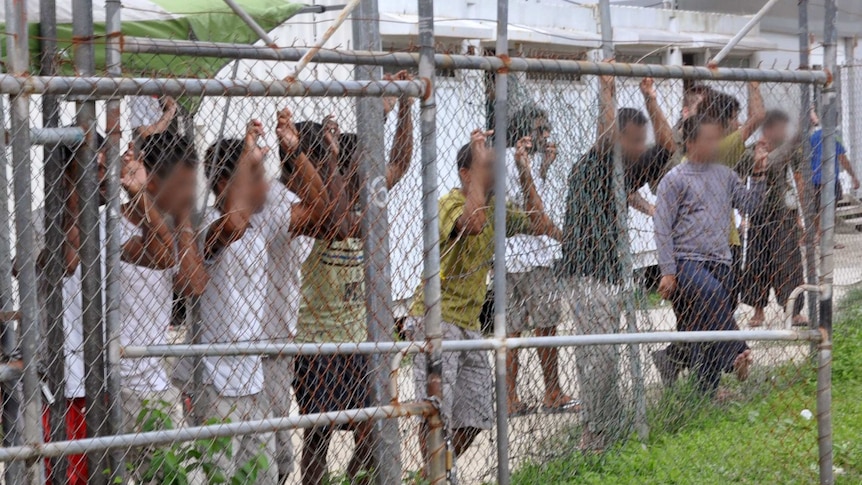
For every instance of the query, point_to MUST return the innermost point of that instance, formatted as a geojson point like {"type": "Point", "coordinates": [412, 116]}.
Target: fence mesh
{"type": "Point", "coordinates": [242, 225]}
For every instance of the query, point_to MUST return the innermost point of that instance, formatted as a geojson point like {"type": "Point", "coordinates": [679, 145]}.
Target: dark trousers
{"type": "Point", "coordinates": [704, 301]}
{"type": "Point", "coordinates": [774, 261]}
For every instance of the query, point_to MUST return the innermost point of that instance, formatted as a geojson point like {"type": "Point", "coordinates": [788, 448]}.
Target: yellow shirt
{"type": "Point", "coordinates": [465, 260]}
{"type": "Point", "coordinates": [730, 152]}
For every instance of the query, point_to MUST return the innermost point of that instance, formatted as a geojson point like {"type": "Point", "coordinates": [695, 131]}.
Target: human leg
{"type": "Point", "coordinates": [788, 262]}
{"type": "Point", "coordinates": [278, 377]}
{"type": "Point", "coordinates": [516, 323]}
{"type": "Point", "coordinates": [597, 307]}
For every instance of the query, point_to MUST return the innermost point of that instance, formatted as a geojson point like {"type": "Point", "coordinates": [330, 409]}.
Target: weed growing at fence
{"type": "Point", "coordinates": [743, 441]}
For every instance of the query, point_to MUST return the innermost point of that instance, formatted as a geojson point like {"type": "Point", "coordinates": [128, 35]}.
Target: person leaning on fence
{"type": "Point", "coordinates": [333, 307]}
{"type": "Point", "coordinates": [239, 227]}
{"type": "Point", "coordinates": [692, 245]}
{"type": "Point", "coordinates": [774, 260]}
{"type": "Point", "coordinates": [724, 108]}
{"type": "Point", "coordinates": [157, 259]}
{"type": "Point", "coordinates": [533, 296]}
{"type": "Point", "coordinates": [73, 330]}
{"type": "Point", "coordinates": [591, 269]}
{"type": "Point", "coordinates": [466, 254]}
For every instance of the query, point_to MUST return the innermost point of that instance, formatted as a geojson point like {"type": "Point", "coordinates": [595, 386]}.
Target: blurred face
{"type": "Point", "coordinates": [175, 194]}
{"type": "Point", "coordinates": [481, 171]}
{"type": "Point", "coordinates": [775, 134]}
{"type": "Point", "coordinates": [633, 141]}
{"type": "Point", "coordinates": [541, 133]}
{"type": "Point", "coordinates": [692, 101]}
{"type": "Point", "coordinates": [704, 147]}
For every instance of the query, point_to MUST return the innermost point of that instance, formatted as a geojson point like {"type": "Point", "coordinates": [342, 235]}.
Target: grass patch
{"type": "Point", "coordinates": [761, 438]}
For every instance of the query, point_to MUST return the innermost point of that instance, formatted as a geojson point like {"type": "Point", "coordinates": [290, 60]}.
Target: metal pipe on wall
{"type": "Point", "coordinates": [431, 241]}
{"type": "Point", "coordinates": [375, 225]}
{"type": "Point", "coordinates": [501, 125]}
{"type": "Point", "coordinates": [91, 242]}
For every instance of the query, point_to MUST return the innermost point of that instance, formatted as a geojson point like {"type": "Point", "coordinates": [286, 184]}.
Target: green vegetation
{"type": "Point", "coordinates": [756, 439]}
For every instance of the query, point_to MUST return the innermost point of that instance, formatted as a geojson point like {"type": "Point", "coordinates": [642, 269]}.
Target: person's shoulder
{"type": "Point", "coordinates": [454, 196]}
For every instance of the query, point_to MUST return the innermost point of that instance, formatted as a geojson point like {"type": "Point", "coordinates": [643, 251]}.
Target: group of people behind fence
{"type": "Point", "coordinates": [281, 261]}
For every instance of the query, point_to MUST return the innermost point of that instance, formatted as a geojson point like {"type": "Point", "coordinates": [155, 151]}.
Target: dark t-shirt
{"type": "Point", "coordinates": [591, 228]}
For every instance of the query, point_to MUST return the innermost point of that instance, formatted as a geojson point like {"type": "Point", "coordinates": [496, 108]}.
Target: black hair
{"type": "Point", "coordinates": [465, 157]}
{"type": "Point", "coordinates": [719, 106]}
{"type": "Point", "coordinates": [691, 126]}
{"type": "Point", "coordinates": [521, 123]}
{"type": "Point", "coordinates": [162, 152]}
{"type": "Point", "coordinates": [774, 117]}
{"type": "Point", "coordinates": [221, 160]}
{"type": "Point", "coordinates": [311, 143]}
{"type": "Point", "coordinates": [626, 116]}
{"type": "Point", "coordinates": [695, 90]}
{"type": "Point", "coordinates": [348, 143]}
{"type": "Point", "coordinates": [67, 153]}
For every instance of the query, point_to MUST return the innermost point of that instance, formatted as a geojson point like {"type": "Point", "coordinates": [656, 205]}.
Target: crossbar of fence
{"type": "Point", "coordinates": [252, 348]}
{"type": "Point", "coordinates": [103, 86]}
{"type": "Point", "coordinates": [138, 45]}
{"type": "Point", "coordinates": [194, 433]}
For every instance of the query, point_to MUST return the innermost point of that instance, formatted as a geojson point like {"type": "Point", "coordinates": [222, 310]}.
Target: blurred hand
{"type": "Point", "coordinates": [761, 154]}
{"type": "Point", "coordinates": [522, 153]}
{"type": "Point", "coordinates": [332, 135]}
{"type": "Point", "coordinates": [169, 107]}
{"type": "Point", "coordinates": [648, 88]}
{"type": "Point", "coordinates": [133, 175]}
{"type": "Point", "coordinates": [286, 132]}
{"type": "Point", "coordinates": [252, 151]}
{"type": "Point", "coordinates": [667, 286]}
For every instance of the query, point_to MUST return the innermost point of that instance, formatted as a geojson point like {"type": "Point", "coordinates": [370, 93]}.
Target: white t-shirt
{"type": "Point", "coordinates": [525, 252]}
{"type": "Point", "coordinates": [73, 348]}
{"type": "Point", "coordinates": [144, 111]}
{"type": "Point", "coordinates": [287, 252]}
{"type": "Point", "coordinates": [233, 307]}
{"type": "Point", "coordinates": [144, 312]}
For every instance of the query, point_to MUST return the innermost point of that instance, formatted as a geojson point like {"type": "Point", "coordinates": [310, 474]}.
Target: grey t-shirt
{"type": "Point", "coordinates": [692, 204]}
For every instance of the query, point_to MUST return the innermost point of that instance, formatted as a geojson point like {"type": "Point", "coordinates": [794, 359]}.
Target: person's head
{"type": "Point", "coordinates": [692, 97]}
{"type": "Point", "coordinates": [171, 163]}
{"type": "Point", "coordinates": [348, 163]}
{"type": "Point", "coordinates": [220, 165]}
{"type": "Point", "coordinates": [702, 136]}
{"type": "Point", "coordinates": [68, 155]}
{"type": "Point", "coordinates": [632, 126]}
{"type": "Point", "coordinates": [775, 127]}
{"type": "Point", "coordinates": [529, 121]}
{"type": "Point", "coordinates": [476, 166]}
{"type": "Point", "coordinates": [723, 108]}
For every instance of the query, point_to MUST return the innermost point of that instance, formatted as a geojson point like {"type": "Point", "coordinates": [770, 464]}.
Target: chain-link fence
{"type": "Point", "coordinates": [253, 271]}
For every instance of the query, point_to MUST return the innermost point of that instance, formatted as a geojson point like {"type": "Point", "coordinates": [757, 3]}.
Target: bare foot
{"type": "Point", "coordinates": [742, 365]}
{"type": "Point", "coordinates": [559, 402]}
{"type": "Point", "coordinates": [800, 321]}
{"type": "Point", "coordinates": [517, 408]}
{"type": "Point", "coordinates": [591, 443]}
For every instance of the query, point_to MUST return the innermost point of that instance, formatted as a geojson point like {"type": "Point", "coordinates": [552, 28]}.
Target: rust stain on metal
{"type": "Point", "coordinates": [507, 61]}
{"type": "Point", "coordinates": [428, 88]}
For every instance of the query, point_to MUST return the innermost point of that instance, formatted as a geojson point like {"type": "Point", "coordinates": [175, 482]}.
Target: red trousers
{"type": "Point", "coordinates": [76, 429]}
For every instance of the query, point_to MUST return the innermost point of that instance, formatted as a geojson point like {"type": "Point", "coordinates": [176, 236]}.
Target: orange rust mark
{"type": "Point", "coordinates": [507, 61]}
{"type": "Point", "coordinates": [428, 88]}
{"type": "Point", "coordinates": [829, 77]}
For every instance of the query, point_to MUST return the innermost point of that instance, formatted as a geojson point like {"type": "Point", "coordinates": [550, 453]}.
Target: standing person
{"type": "Point", "coordinates": [774, 260]}
{"type": "Point", "coordinates": [157, 259]}
{"type": "Point", "coordinates": [591, 266]}
{"type": "Point", "coordinates": [286, 252]}
{"type": "Point", "coordinates": [694, 255]}
{"type": "Point", "coordinates": [333, 303]}
{"type": "Point", "coordinates": [239, 227]}
{"type": "Point", "coordinates": [841, 161]}
{"type": "Point", "coordinates": [533, 296]}
{"type": "Point", "coordinates": [725, 109]}
{"type": "Point", "coordinates": [467, 252]}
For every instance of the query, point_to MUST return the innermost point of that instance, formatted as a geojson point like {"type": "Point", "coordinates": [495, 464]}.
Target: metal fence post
{"type": "Point", "coordinates": [91, 268]}
{"type": "Point", "coordinates": [624, 251]}
{"type": "Point", "coordinates": [375, 222]}
{"type": "Point", "coordinates": [501, 124]}
{"type": "Point", "coordinates": [431, 240]}
{"type": "Point", "coordinates": [807, 194]}
{"type": "Point", "coordinates": [25, 254]}
{"type": "Point", "coordinates": [113, 133]}
{"type": "Point", "coordinates": [824, 408]}
{"type": "Point", "coordinates": [54, 270]}
{"type": "Point", "coordinates": [827, 167]}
